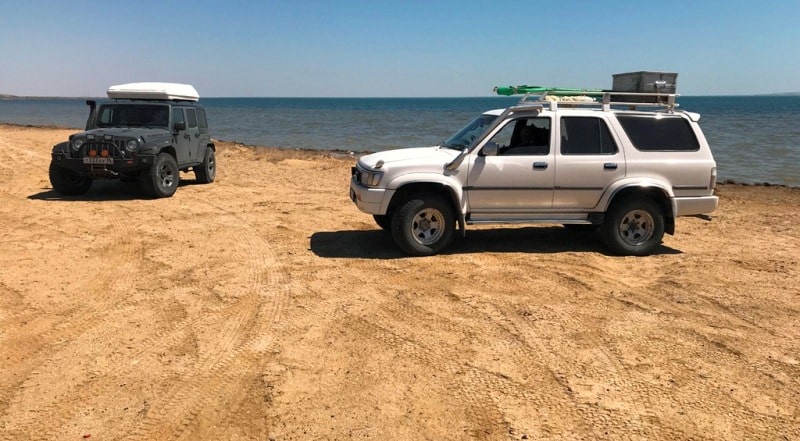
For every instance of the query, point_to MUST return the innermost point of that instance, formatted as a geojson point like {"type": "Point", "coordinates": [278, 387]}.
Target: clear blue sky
{"type": "Point", "coordinates": [394, 48]}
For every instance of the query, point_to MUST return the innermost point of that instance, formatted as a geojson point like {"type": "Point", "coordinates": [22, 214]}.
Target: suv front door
{"type": "Point", "coordinates": [519, 178]}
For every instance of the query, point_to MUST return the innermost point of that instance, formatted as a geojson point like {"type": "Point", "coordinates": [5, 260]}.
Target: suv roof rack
{"type": "Point", "coordinates": [589, 97]}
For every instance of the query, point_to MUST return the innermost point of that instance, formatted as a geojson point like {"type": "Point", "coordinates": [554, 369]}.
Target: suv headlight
{"type": "Point", "coordinates": [371, 178]}
{"type": "Point", "coordinates": [76, 144]}
{"type": "Point", "coordinates": [132, 145]}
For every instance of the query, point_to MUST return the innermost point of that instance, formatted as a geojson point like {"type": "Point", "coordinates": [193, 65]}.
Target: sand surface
{"type": "Point", "coordinates": [266, 306]}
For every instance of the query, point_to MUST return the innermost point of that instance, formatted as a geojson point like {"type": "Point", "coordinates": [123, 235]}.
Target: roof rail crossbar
{"type": "Point", "coordinates": [590, 97]}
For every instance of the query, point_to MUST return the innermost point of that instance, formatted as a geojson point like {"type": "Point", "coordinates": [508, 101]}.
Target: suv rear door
{"type": "Point", "coordinates": [588, 161]}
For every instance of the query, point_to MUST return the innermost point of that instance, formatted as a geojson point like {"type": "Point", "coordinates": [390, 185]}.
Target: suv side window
{"type": "Point", "coordinates": [582, 135]}
{"type": "Point", "coordinates": [201, 119]}
{"type": "Point", "coordinates": [191, 118]}
{"type": "Point", "coordinates": [524, 136]}
{"type": "Point", "coordinates": [662, 134]}
{"type": "Point", "coordinates": [177, 115]}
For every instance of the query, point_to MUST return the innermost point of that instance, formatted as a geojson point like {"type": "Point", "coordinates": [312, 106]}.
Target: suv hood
{"type": "Point", "coordinates": [148, 134]}
{"type": "Point", "coordinates": [419, 156]}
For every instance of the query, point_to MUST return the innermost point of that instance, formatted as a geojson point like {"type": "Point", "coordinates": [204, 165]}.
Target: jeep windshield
{"type": "Point", "coordinates": [133, 115]}
{"type": "Point", "coordinates": [464, 137]}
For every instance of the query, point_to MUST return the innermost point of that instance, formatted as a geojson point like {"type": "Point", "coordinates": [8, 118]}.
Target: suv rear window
{"type": "Point", "coordinates": [662, 134]}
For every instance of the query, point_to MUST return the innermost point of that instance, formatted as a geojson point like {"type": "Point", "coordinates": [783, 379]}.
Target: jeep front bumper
{"type": "Point", "coordinates": [94, 168]}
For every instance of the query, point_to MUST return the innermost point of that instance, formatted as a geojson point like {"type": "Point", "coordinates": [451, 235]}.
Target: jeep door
{"type": "Point", "coordinates": [519, 178]}
{"type": "Point", "coordinates": [193, 130]}
{"type": "Point", "coordinates": [588, 161]}
{"type": "Point", "coordinates": [181, 138]}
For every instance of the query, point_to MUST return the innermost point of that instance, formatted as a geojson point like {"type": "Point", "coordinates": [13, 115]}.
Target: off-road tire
{"type": "Point", "coordinates": [163, 177]}
{"type": "Point", "coordinates": [424, 225]}
{"type": "Point", "coordinates": [207, 171]}
{"type": "Point", "coordinates": [68, 183]}
{"type": "Point", "coordinates": [633, 227]}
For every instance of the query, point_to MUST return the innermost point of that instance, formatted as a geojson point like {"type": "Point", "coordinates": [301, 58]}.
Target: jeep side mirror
{"type": "Point", "coordinates": [490, 149]}
{"type": "Point", "coordinates": [178, 126]}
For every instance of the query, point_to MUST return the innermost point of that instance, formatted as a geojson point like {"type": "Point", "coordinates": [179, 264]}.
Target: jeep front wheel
{"type": "Point", "coordinates": [423, 226]}
{"type": "Point", "coordinates": [67, 182]}
{"type": "Point", "coordinates": [162, 179]}
{"type": "Point", "coordinates": [633, 227]}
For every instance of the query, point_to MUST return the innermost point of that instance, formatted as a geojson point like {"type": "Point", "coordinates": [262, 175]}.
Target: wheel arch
{"type": "Point", "coordinates": [407, 190]}
{"type": "Point", "coordinates": [658, 194]}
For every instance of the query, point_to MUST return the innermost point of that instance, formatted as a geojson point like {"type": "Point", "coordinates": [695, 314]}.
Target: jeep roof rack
{"type": "Point", "coordinates": [538, 95]}
{"type": "Point", "coordinates": [154, 91]}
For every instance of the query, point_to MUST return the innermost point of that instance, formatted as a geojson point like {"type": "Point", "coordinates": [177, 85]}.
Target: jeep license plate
{"type": "Point", "coordinates": [98, 160]}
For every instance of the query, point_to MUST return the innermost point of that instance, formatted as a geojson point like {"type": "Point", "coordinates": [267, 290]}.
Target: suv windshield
{"type": "Point", "coordinates": [133, 115]}
{"type": "Point", "coordinates": [470, 132]}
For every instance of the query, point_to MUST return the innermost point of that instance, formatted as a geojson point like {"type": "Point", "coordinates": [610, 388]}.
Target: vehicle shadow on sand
{"type": "Point", "coordinates": [106, 190]}
{"type": "Point", "coordinates": [378, 244]}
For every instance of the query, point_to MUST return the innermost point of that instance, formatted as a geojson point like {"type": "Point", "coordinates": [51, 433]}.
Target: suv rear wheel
{"type": "Point", "coordinates": [423, 226]}
{"type": "Point", "coordinates": [207, 171]}
{"type": "Point", "coordinates": [633, 227]}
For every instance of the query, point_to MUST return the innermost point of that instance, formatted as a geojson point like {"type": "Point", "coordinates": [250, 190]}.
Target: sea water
{"type": "Point", "coordinates": [755, 139]}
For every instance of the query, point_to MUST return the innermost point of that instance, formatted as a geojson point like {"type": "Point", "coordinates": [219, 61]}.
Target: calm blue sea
{"type": "Point", "coordinates": [755, 139]}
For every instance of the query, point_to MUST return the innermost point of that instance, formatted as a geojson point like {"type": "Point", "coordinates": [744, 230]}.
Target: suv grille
{"type": "Point", "coordinates": [115, 149]}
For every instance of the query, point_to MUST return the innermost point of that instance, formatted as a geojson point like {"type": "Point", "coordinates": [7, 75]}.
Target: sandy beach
{"type": "Point", "coordinates": [266, 306]}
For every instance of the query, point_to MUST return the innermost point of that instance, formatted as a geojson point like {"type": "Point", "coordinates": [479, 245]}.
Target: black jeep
{"type": "Point", "coordinates": [149, 140]}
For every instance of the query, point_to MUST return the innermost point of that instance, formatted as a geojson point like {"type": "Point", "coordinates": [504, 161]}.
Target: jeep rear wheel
{"type": "Point", "coordinates": [67, 182]}
{"type": "Point", "coordinates": [423, 226]}
{"type": "Point", "coordinates": [633, 227]}
{"type": "Point", "coordinates": [207, 171]}
{"type": "Point", "coordinates": [162, 179]}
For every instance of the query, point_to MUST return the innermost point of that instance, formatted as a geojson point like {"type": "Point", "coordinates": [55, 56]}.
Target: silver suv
{"type": "Point", "coordinates": [625, 164]}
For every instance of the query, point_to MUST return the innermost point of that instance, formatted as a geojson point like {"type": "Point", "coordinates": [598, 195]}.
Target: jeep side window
{"type": "Point", "coordinates": [586, 136]}
{"type": "Point", "coordinates": [201, 119]}
{"type": "Point", "coordinates": [663, 134]}
{"type": "Point", "coordinates": [524, 136]}
{"type": "Point", "coordinates": [191, 118]}
{"type": "Point", "coordinates": [177, 116]}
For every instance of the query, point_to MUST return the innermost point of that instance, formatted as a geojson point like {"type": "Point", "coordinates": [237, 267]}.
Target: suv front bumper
{"type": "Point", "coordinates": [119, 167]}
{"type": "Point", "coordinates": [370, 200]}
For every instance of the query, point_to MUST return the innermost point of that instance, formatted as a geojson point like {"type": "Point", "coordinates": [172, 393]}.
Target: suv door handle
{"type": "Point", "coordinates": [541, 165]}
{"type": "Point", "coordinates": [610, 166]}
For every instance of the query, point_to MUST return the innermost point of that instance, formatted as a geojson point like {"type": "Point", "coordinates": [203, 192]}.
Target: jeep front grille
{"type": "Point", "coordinates": [115, 149]}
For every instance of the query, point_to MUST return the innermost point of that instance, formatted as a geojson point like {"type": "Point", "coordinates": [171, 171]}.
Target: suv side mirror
{"type": "Point", "coordinates": [178, 126]}
{"type": "Point", "coordinates": [490, 149]}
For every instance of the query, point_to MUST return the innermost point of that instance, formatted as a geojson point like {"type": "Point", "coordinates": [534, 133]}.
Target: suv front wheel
{"type": "Point", "coordinates": [162, 179]}
{"type": "Point", "coordinates": [633, 227]}
{"type": "Point", "coordinates": [423, 226]}
{"type": "Point", "coordinates": [67, 182]}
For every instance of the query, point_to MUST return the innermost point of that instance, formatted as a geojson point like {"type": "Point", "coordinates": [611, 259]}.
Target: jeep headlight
{"type": "Point", "coordinates": [76, 144]}
{"type": "Point", "coordinates": [132, 145]}
{"type": "Point", "coordinates": [371, 178]}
